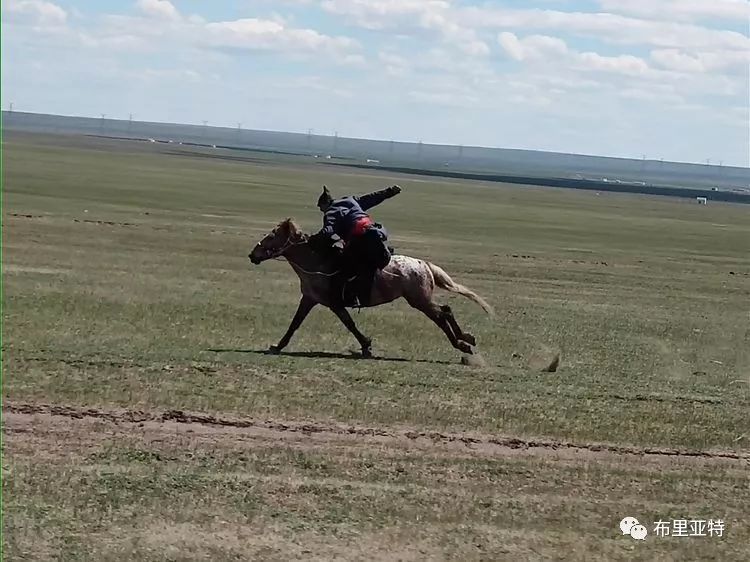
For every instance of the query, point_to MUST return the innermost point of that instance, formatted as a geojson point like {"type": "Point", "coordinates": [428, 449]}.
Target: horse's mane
{"type": "Point", "coordinates": [293, 228]}
{"type": "Point", "coordinates": [327, 254]}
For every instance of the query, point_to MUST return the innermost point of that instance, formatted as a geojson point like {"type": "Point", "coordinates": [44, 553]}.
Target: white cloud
{"type": "Point", "coordinates": [612, 28]}
{"type": "Point", "coordinates": [543, 49]}
{"type": "Point", "coordinates": [651, 95]}
{"type": "Point", "coordinates": [512, 45]}
{"type": "Point", "coordinates": [158, 9]}
{"type": "Point", "coordinates": [443, 98]}
{"type": "Point", "coordinates": [36, 12]}
{"type": "Point", "coordinates": [674, 59]}
{"type": "Point", "coordinates": [380, 14]}
{"type": "Point", "coordinates": [622, 64]}
{"type": "Point", "coordinates": [394, 65]}
{"type": "Point", "coordinates": [194, 32]}
{"type": "Point", "coordinates": [434, 16]}
{"type": "Point", "coordinates": [681, 10]}
{"type": "Point", "coordinates": [173, 75]}
{"type": "Point", "coordinates": [533, 47]}
{"type": "Point", "coordinates": [463, 28]}
{"type": "Point", "coordinates": [259, 34]}
{"type": "Point", "coordinates": [701, 62]}
{"type": "Point", "coordinates": [125, 42]}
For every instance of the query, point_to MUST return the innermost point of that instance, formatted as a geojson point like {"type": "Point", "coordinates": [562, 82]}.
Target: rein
{"type": "Point", "coordinates": [288, 245]}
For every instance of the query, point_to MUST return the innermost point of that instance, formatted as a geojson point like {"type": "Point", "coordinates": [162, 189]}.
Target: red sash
{"type": "Point", "coordinates": [360, 225]}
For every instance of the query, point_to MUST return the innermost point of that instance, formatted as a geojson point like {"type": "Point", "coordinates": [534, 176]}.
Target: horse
{"type": "Point", "coordinates": [413, 279]}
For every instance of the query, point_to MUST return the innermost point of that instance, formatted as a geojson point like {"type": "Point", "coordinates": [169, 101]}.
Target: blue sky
{"type": "Point", "coordinates": [664, 78]}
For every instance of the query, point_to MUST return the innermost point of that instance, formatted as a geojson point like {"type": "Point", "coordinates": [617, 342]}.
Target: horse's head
{"type": "Point", "coordinates": [276, 242]}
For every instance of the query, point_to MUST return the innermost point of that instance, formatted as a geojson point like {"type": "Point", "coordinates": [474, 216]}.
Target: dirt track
{"type": "Point", "coordinates": [26, 418]}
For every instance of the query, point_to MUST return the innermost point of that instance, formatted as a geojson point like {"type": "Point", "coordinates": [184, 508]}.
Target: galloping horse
{"type": "Point", "coordinates": [406, 277]}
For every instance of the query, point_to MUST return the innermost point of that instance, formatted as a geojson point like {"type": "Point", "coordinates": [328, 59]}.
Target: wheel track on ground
{"type": "Point", "coordinates": [497, 444]}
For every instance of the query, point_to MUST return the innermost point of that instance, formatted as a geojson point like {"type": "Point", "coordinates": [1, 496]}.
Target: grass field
{"type": "Point", "coordinates": [143, 421]}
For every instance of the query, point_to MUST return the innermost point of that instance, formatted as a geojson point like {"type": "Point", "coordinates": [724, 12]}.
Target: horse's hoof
{"type": "Point", "coordinates": [274, 350]}
{"type": "Point", "coordinates": [465, 347]}
{"type": "Point", "coordinates": [470, 339]}
{"type": "Point", "coordinates": [366, 353]}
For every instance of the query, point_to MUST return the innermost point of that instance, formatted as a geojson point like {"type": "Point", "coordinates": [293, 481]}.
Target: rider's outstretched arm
{"type": "Point", "coordinates": [377, 197]}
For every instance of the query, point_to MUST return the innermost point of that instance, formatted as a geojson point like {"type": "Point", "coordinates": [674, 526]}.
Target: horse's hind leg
{"type": "Point", "coordinates": [439, 317]}
{"type": "Point", "coordinates": [460, 334]}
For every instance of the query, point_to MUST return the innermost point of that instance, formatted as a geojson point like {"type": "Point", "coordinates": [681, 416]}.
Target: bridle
{"type": "Point", "coordinates": [289, 243]}
{"type": "Point", "coordinates": [276, 254]}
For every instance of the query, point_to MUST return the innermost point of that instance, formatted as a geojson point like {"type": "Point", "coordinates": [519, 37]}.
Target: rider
{"type": "Point", "coordinates": [365, 250]}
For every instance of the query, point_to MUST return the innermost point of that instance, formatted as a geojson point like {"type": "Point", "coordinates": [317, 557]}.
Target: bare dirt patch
{"type": "Point", "coordinates": [12, 268]}
{"type": "Point", "coordinates": [101, 222]}
{"type": "Point", "coordinates": [21, 417]}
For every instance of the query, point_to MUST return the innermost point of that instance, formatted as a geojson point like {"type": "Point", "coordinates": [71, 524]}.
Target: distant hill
{"type": "Point", "coordinates": [619, 173]}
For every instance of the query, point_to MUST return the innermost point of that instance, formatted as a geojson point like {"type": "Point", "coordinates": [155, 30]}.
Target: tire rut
{"type": "Point", "coordinates": [496, 442]}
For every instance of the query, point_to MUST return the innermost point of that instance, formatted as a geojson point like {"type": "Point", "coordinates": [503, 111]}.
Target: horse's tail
{"type": "Point", "coordinates": [444, 281]}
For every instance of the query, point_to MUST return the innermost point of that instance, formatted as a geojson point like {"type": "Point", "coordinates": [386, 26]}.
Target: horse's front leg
{"type": "Point", "coordinates": [306, 304]}
{"type": "Point", "coordinates": [346, 320]}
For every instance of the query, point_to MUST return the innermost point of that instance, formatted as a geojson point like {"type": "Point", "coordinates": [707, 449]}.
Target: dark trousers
{"type": "Point", "coordinates": [362, 257]}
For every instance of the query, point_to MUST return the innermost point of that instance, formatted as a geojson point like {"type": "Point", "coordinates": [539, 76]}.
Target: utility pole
{"type": "Point", "coordinates": [11, 107]}
{"type": "Point", "coordinates": [130, 122]}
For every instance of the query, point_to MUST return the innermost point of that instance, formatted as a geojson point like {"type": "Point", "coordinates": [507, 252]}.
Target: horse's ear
{"type": "Point", "coordinates": [325, 189]}
{"type": "Point", "coordinates": [289, 226]}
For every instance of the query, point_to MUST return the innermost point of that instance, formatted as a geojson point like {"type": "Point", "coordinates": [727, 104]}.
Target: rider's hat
{"type": "Point", "coordinates": [325, 197]}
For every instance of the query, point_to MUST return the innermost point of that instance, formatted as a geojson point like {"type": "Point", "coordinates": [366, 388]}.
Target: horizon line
{"type": "Point", "coordinates": [415, 143]}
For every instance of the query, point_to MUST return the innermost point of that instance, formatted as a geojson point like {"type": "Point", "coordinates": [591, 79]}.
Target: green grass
{"type": "Point", "coordinates": [182, 496]}
{"type": "Point", "coordinates": [645, 298]}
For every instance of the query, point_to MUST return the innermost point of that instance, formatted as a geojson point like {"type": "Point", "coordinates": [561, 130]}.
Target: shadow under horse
{"type": "Point", "coordinates": [404, 277]}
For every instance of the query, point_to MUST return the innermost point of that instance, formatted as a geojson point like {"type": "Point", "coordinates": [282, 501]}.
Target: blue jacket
{"type": "Point", "coordinates": [340, 217]}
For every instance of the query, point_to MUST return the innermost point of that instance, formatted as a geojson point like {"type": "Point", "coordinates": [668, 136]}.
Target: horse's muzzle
{"type": "Point", "coordinates": [254, 259]}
